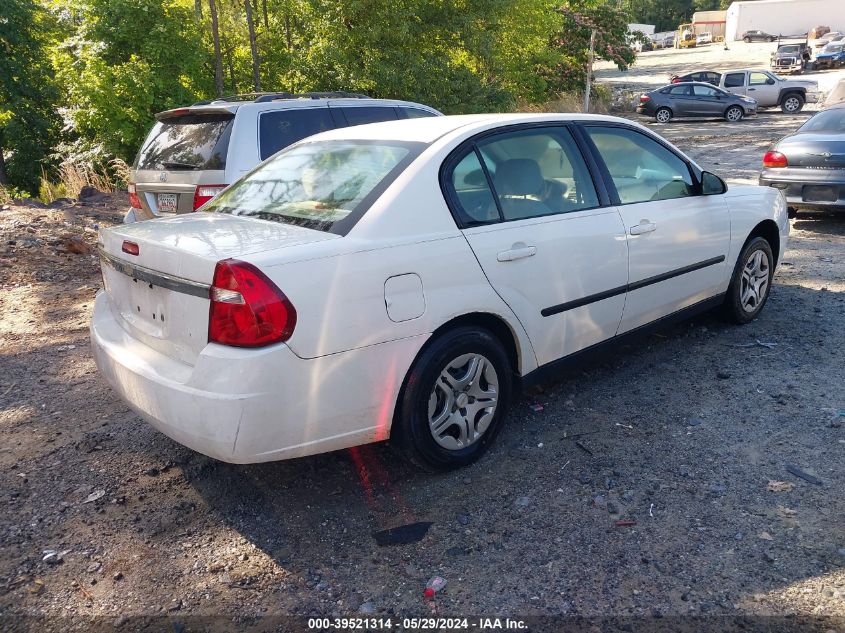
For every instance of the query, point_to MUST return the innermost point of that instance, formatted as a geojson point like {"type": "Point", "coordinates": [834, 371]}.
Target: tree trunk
{"type": "Point", "coordinates": [231, 64]}
{"type": "Point", "coordinates": [218, 59]}
{"type": "Point", "coordinates": [198, 8]}
{"type": "Point", "coordinates": [4, 179]}
{"type": "Point", "coordinates": [253, 47]}
{"type": "Point", "coordinates": [287, 30]}
{"type": "Point", "coordinates": [264, 9]}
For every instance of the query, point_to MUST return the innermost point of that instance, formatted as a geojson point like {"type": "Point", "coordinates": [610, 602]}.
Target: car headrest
{"type": "Point", "coordinates": [519, 177]}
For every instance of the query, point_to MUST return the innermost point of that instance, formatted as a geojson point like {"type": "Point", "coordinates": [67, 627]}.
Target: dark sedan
{"type": "Point", "coordinates": [758, 36]}
{"type": "Point", "coordinates": [694, 99]}
{"type": "Point", "coordinates": [809, 166]}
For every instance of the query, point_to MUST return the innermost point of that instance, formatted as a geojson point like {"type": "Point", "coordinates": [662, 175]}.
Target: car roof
{"type": "Point", "coordinates": [224, 105]}
{"type": "Point", "coordinates": [429, 129]}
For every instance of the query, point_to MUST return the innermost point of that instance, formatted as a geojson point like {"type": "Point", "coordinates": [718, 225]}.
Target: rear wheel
{"type": "Point", "coordinates": [747, 40]}
{"type": "Point", "coordinates": [734, 114]}
{"type": "Point", "coordinates": [455, 398]}
{"type": "Point", "coordinates": [792, 103]}
{"type": "Point", "coordinates": [663, 115]}
{"type": "Point", "coordinates": [751, 282]}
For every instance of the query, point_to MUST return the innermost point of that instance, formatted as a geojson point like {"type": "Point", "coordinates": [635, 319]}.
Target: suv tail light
{"type": "Point", "coordinates": [134, 200]}
{"type": "Point", "coordinates": [247, 309]}
{"type": "Point", "coordinates": [204, 193]}
{"type": "Point", "coordinates": [775, 159]}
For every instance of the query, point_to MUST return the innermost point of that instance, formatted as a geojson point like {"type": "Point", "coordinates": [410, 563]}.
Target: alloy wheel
{"type": "Point", "coordinates": [463, 401]}
{"type": "Point", "coordinates": [734, 114]}
{"type": "Point", "coordinates": [755, 281]}
{"type": "Point", "coordinates": [663, 116]}
{"type": "Point", "coordinates": [792, 104]}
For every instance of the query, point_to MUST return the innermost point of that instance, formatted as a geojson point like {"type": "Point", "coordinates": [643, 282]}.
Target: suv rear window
{"type": "Point", "coordinates": [190, 141]}
{"type": "Point", "coordinates": [324, 185]}
{"type": "Point", "coordinates": [280, 128]}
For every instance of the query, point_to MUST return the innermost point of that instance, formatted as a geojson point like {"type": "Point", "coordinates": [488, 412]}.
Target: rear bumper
{"type": "Point", "coordinates": [798, 190]}
{"type": "Point", "coordinates": [246, 406]}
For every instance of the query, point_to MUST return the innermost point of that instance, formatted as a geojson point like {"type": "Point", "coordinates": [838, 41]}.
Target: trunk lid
{"type": "Point", "coordinates": [160, 295]}
{"type": "Point", "coordinates": [819, 151]}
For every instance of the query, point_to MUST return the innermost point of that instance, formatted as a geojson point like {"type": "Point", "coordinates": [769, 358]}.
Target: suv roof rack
{"type": "Point", "coordinates": [263, 97]}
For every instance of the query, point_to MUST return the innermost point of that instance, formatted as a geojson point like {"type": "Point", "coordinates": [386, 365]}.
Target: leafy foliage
{"type": "Point", "coordinates": [105, 67]}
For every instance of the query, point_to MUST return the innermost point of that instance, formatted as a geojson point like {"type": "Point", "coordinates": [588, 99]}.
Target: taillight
{"type": "Point", "coordinates": [644, 98]}
{"type": "Point", "coordinates": [130, 248]}
{"type": "Point", "coordinates": [204, 193]}
{"type": "Point", "coordinates": [775, 159]}
{"type": "Point", "coordinates": [247, 309]}
{"type": "Point", "coordinates": [134, 200]}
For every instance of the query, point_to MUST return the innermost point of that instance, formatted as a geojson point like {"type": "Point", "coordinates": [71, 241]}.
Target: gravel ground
{"type": "Point", "coordinates": [687, 433]}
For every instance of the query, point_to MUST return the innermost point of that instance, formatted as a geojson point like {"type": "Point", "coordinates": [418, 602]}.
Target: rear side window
{"type": "Point", "coordinates": [188, 142]}
{"type": "Point", "coordinates": [414, 113]}
{"type": "Point", "coordinates": [734, 80]}
{"type": "Point", "coordinates": [366, 114]}
{"type": "Point", "coordinates": [325, 185]}
{"type": "Point", "coordinates": [280, 128]}
{"type": "Point", "coordinates": [642, 169]}
{"type": "Point", "coordinates": [679, 91]}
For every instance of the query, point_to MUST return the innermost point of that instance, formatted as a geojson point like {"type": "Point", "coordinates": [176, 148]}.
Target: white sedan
{"type": "Point", "coordinates": [399, 280]}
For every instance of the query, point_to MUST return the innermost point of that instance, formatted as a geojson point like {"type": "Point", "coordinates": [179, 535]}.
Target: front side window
{"type": "Point", "coordinates": [642, 169]}
{"type": "Point", "coordinates": [734, 80]}
{"type": "Point", "coordinates": [325, 185]}
{"type": "Point", "coordinates": [280, 128]}
{"type": "Point", "coordinates": [758, 79]}
{"type": "Point", "coordinates": [705, 91]}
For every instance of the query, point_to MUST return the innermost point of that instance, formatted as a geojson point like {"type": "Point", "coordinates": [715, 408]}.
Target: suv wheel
{"type": "Point", "coordinates": [792, 103]}
{"type": "Point", "coordinates": [747, 40]}
{"type": "Point", "coordinates": [455, 398]}
{"type": "Point", "coordinates": [734, 114]}
{"type": "Point", "coordinates": [663, 115]}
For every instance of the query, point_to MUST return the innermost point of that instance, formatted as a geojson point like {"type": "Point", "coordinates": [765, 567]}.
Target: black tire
{"type": "Point", "coordinates": [791, 212]}
{"type": "Point", "coordinates": [732, 112]}
{"type": "Point", "coordinates": [747, 40]}
{"type": "Point", "coordinates": [411, 431]}
{"type": "Point", "coordinates": [733, 308]}
{"type": "Point", "coordinates": [790, 98]}
{"type": "Point", "coordinates": [658, 114]}
{"type": "Point", "coordinates": [771, 39]}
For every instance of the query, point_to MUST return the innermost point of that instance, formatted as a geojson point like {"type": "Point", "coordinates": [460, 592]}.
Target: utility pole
{"type": "Point", "coordinates": [589, 70]}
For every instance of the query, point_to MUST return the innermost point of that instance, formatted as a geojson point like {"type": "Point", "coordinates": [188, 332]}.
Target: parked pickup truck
{"type": "Point", "coordinates": [791, 58]}
{"type": "Point", "coordinates": [769, 90]}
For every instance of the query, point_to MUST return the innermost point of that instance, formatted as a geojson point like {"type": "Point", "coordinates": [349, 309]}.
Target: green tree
{"type": "Point", "coordinates": [28, 95]}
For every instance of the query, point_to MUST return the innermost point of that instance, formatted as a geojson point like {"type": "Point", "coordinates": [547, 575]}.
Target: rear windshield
{"type": "Point", "coordinates": [191, 141]}
{"type": "Point", "coordinates": [832, 120]}
{"type": "Point", "coordinates": [325, 185]}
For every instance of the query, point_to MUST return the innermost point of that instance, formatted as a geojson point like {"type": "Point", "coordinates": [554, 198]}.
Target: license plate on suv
{"type": "Point", "coordinates": [167, 202]}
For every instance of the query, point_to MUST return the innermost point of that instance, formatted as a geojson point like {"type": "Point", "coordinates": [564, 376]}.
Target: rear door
{"type": "Point", "coordinates": [678, 240]}
{"type": "Point", "coordinates": [735, 82]}
{"type": "Point", "coordinates": [681, 100]}
{"type": "Point", "coordinates": [182, 150]}
{"type": "Point", "coordinates": [551, 248]}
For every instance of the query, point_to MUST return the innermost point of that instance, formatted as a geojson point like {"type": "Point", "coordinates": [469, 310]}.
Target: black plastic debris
{"type": "Point", "coordinates": [803, 475]}
{"type": "Point", "coordinates": [402, 535]}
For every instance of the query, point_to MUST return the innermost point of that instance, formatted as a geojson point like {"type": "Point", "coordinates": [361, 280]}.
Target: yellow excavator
{"type": "Point", "coordinates": [685, 37]}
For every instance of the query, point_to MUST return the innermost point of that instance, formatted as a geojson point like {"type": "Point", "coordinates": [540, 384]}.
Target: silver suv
{"type": "Point", "coordinates": [191, 154]}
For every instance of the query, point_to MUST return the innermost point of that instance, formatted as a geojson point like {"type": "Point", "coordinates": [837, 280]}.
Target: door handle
{"type": "Point", "coordinates": [643, 227]}
{"type": "Point", "coordinates": [752, 89]}
{"type": "Point", "coordinates": [517, 251]}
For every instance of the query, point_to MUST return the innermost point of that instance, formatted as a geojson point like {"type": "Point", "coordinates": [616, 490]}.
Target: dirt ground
{"type": "Point", "coordinates": [687, 432]}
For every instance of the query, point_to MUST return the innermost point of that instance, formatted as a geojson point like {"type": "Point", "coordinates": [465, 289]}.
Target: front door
{"type": "Point", "coordinates": [763, 87]}
{"type": "Point", "coordinates": [530, 211]}
{"type": "Point", "coordinates": [709, 100]}
{"type": "Point", "coordinates": [678, 240]}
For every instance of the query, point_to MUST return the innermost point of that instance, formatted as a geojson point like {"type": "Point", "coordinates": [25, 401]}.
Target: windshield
{"type": "Point", "coordinates": [788, 50]}
{"type": "Point", "coordinates": [192, 141]}
{"type": "Point", "coordinates": [827, 121]}
{"type": "Point", "coordinates": [325, 185]}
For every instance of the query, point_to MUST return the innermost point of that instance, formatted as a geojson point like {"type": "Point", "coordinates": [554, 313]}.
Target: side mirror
{"type": "Point", "coordinates": [712, 185]}
{"type": "Point", "coordinates": [770, 81]}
